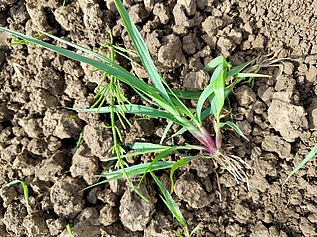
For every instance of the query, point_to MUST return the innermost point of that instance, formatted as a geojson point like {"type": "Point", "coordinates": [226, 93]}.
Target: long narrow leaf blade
{"type": "Point", "coordinates": [239, 68]}
{"type": "Point", "coordinates": [310, 155]}
{"type": "Point", "coordinates": [137, 153]}
{"type": "Point", "coordinates": [142, 50]}
{"type": "Point", "coordinates": [206, 93]}
{"type": "Point", "coordinates": [168, 126]}
{"type": "Point", "coordinates": [156, 159]}
{"type": "Point", "coordinates": [169, 201]}
{"type": "Point", "coordinates": [213, 63]}
{"type": "Point", "coordinates": [132, 171]}
{"type": "Point", "coordinates": [146, 146]}
{"type": "Point", "coordinates": [219, 90]}
{"type": "Point", "coordinates": [234, 127]}
{"type": "Point", "coordinates": [179, 163]}
{"type": "Point", "coordinates": [133, 109]}
{"type": "Point", "coordinates": [244, 75]}
{"type": "Point", "coordinates": [109, 67]}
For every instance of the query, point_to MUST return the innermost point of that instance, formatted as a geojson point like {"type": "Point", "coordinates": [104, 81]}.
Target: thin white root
{"type": "Point", "coordinates": [235, 165]}
{"type": "Point", "coordinates": [271, 60]}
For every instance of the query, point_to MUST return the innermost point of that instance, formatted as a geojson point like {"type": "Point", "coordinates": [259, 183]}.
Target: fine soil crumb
{"type": "Point", "coordinates": [98, 139]}
{"type": "Point", "coordinates": [13, 218]}
{"type": "Point", "coordinates": [49, 169]}
{"type": "Point", "coordinates": [135, 212]}
{"type": "Point", "coordinates": [191, 191]}
{"type": "Point", "coordinates": [196, 81]}
{"type": "Point", "coordinates": [84, 164]}
{"type": "Point", "coordinates": [276, 144]}
{"type": "Point", "coordinates": [67, 197]}
{"type": "Point", "coordinates": [35, 224]}
{"type": "Point", "coordinates": [171, 54]}
{"type": "Point", "coordinates": [290, 120]}
{"type": "Point", "coordinates": [108, 215]}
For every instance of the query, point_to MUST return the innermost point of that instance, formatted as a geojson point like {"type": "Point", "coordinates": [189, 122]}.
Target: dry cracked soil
{"type": "Point", "coordinates": [277, 114]}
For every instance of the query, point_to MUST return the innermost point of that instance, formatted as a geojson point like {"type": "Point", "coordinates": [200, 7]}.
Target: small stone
{"type": "Point", "coordinates": [285, 83]}
{"type": "Point", "coordinates": [242, 213]}
{"type": "Point", "coordinates": [244, 126]}
{"type": "Point", "coordinates": [33, 127]}
{"type": "Point", "coordinates": [259, 41]}
{"type": "Point", "coordinates": [226, 46]}
{"type": "Point", "coordinates": [212, 24]}
{"type": "Point", "coordinates": [290, 120]}
{"type": "Point", "coordinates": [67, 197]}
{"type": "Point", "coordinates": [189, 5]}
{"type": "Point", "coordinates": [138, 13]}
{"type": "Point", "coordinates": [288, 68]}
{"type": "Point", "coordinates": [84, 164]}
{"type": "Point", "coordinates": [135, 212]}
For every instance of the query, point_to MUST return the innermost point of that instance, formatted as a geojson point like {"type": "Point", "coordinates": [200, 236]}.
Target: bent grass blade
{"type": "Point", "coordinates": [25, 191]}
{"type": "Point", "coordinates": [310, 155]}
{"type": "Point", "coordinates": [171, 204]}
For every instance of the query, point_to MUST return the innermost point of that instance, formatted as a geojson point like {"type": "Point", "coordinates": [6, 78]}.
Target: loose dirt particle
{"type": "Point", "coordinates": [54, 124]}
{"type": "Point", "coordinates": [196, 81]}
{"type": "Point", "coordinates": [50, 168]}
{"type": "Point", "coordinates": [135, 213]}
{"type": "Point", "coordinates": [108, 215]}
{"type": "Point", "coordinates": [35, 225]}
{"type": "Point", "coordinates": [171, 55]}
{"type": "Point", "coordinates": [161, 11]}
{"type": "Point", "coordinates": [191, 191]}
{"type": "Point", "coordinates": [288, 119]}
{"type": "Point", "coordinates": [276, 144]}
{"type": "Point", "coordinates": [13, 218]}
{"type": "Point", "coordinates": [244, 95]}
{"type": "Point", "coordinates": [67, 197]}
{"type": "Point", "coordinates": [84, 164]}
{"type": "Point", "coordinates": [98, 139]}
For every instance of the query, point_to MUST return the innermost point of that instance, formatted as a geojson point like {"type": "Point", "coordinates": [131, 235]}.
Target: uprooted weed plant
{"type": "Point", "coordinates": [164, 103]}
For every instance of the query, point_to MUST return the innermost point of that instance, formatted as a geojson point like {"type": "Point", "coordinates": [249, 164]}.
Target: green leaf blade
{"type": "Point", "coordinates": [309, 156]}
{"type": "Point", "coordinates": [142, 50]}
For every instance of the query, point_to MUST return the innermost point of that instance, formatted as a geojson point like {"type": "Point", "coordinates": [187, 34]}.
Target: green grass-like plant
{"type": "Point", "coordinates": [166, 103]}
{"type": "Point", "coordinates": [309, 156]}
{"type": "Point", "coordinates": [25, 191]}
{"type": "Point", "coordinates": [69, 229]}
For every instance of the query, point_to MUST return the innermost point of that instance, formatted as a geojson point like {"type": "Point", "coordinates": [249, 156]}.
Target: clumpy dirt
{"type": "Point", "coordinates": [277, 114]}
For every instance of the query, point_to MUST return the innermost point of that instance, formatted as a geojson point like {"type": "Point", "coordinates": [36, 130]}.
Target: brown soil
{"type": "Point", "coordinates": [279, 116]}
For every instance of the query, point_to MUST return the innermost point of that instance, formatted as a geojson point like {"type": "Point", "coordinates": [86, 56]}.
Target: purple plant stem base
{"type": "Point", "coordinates": [206, 140]}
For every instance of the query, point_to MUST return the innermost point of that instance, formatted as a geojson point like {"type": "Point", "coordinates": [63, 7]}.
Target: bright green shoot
{"type": "Point", "coordinates": [172, 206]}
{"type": "Point", "coordinates": [69, 229]}
{"type": "Point", "coordinates": [164, 103]}
{"type": "Point", "coordinates": [38, 36]}
{"type": "Point", "coordinates": [25, 191]}
{"type": "Point", "coordinates": [310, 155]}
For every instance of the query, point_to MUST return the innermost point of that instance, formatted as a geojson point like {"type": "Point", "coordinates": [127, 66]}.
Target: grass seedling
{"type": "Point", "coordinates": [25, 191]}
{"type": "Point", "coordinates": [165, 103]}
{"type": "Point", "coordinates": [69, 229]}
{"type": "Point", "coordinates": [310, 155]}
{"type": "Point", "coordinates": [38, 36]}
